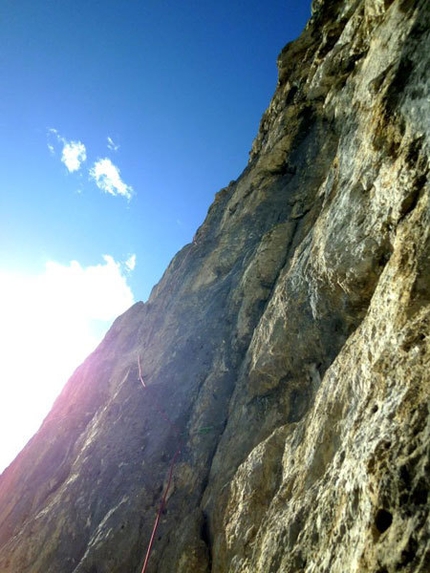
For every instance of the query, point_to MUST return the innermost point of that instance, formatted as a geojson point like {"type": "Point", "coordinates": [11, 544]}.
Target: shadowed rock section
{"type": "Point", "coordinates": [286, 350]}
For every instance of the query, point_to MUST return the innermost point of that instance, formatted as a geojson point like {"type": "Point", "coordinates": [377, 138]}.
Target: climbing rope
{"type": "Point", "coordinates": [170, 473]}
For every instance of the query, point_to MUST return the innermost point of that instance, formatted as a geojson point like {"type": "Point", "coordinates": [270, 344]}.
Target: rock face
{"type": "Point", "coordinates": [285, 353]}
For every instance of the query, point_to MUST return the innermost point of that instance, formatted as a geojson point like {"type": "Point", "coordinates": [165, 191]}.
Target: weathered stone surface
{"type": "Point", "coordinates": [285, 351]}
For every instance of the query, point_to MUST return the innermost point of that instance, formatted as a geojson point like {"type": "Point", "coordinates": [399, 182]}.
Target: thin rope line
{"type": "Point", "coordinates": [169, 481]}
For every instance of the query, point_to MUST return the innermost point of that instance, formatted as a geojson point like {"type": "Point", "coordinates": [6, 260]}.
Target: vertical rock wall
{"type": "Point", "coordinates": [285, 352]}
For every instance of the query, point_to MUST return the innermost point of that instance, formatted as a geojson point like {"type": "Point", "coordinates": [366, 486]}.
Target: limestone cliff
{"type": "Point", "coordinates": [285, 352]}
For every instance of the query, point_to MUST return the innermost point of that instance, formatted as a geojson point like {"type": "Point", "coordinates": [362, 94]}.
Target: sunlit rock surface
{"type": "Point", "coordinates": [285, 352]}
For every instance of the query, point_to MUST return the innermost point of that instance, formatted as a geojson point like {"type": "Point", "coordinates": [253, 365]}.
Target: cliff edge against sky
{"type": "Point", "coordinates": [284, 355]}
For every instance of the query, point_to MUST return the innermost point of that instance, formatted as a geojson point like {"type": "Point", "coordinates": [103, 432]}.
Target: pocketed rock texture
{"type": "Point", "coordinates": [285, 352]}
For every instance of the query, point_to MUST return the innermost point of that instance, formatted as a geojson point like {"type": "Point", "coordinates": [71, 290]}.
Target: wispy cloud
{"type": "Point", "coordinates": [53, 140]}
{"type": "Point", "coordinates": [73, 153]}
{"type": "Point", "coordinates": [107, 177]}
{"type": "Point", "coordinates": [130, 263]}
{"type": "Point", "coordinates": [111, 145]}
{"type": "Point", "coordinates": [103, 172]}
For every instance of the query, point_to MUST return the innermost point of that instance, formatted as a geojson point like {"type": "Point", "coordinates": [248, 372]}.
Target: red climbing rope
{"type": "Point", "coordinates": [169, 481]}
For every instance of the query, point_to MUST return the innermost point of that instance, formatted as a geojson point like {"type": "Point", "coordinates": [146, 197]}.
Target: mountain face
{"type": "Point", "coordinates": [275, 387]}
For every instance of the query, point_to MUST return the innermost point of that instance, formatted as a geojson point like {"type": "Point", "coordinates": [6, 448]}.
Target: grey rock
{"type": "Point", "coordinates": [285, 352]}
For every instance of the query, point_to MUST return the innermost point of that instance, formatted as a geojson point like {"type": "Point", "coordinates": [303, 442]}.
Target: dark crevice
{"type": "Point", "coordinates": [383, 520]}
{"type": "Point", "coordinates": [206, 538]}
{"type": "Point", "coordinates": [410, 201]}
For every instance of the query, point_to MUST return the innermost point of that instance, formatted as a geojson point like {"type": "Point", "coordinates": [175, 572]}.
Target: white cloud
{"type": "Point", "coordinates": [98, 292]}
{"type": "Point", "coordinates": [106, 175]}
{"type": "Point", "coordinates": [50, 323]}
{"type": "Point", "coordinates": [111, 145]}
{"type": "Point", "coordinates": [54, 140]}
{"type": "Point", "coordinates": [53, 131]}
{"type": "Point", "coordinates": [73, 155]}
{"type": "Point", "coordinates": [108, 178]}
{"type": "Point", "coordinates": [130, 263]}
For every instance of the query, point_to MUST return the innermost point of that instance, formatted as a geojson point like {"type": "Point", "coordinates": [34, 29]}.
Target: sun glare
{"type": "Point", "coordinates": [50, 323]}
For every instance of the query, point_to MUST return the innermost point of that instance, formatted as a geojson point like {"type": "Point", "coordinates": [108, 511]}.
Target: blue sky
{"type": "Point", "coordinates": [119, 121]}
